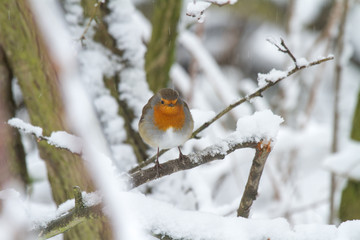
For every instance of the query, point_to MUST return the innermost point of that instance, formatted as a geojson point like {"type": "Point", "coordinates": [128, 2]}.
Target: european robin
{"type": "Point", "coordinates": [166, 121]}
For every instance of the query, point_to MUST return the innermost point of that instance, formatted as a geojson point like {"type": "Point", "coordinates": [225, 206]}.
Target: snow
{"type": "Point", "coordinates": [91, 199]}
{"type": "Point", "coordinates": [201, 116]}
{"type": "Point", "coordinates": [65, 140]}
{"type": "Point", "coordinates": [26, 127]}
{"type": "Point", "coordinates": [161, 218]}
{"type": "Point", "coordinates": [302, 62]}
{"type": "Point", "coordinates": [262, 125]}
{"type": "Point", "coordinates": [273, 76]}
{"type": "Point", "coordinates": [194, 203]}
{"type": "Point", "coordinates": [128, 30]}
{"type": "Point", "coordinates": [59, 139]}
{"type": "Point", "coordinates": [207, 63]}
{"type": "Point", "coordinates": [346, 162]}
{"type": "Point", "coordinates": [196, 8]}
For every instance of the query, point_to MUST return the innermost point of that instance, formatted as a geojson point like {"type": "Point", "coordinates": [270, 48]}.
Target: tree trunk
{"type": "Point", "coordinates": [38, 79]}
{"type": "Point", "coordinates": [350, 205]}
{"type": "Point", "coordinates": [161, 49]}
{"type": "Point", "coordinates": [12, 155]}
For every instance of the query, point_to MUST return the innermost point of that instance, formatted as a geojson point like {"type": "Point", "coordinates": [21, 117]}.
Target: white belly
{"type": "Point", "coordinates": [170, 139]}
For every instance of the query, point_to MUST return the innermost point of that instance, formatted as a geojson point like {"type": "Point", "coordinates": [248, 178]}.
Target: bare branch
{"type": "Point", "coordinates": [284, 49]}
{"type": "Point", "coordinates": [257, 93]}
{"type": "Point", "coordinates": [92, 17]}
{"type": "Point", "coordinates": [252, 184]}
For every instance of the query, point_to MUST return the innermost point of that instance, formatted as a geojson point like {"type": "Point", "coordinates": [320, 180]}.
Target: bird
{"type": "Point", "coordinates": [166, 122]}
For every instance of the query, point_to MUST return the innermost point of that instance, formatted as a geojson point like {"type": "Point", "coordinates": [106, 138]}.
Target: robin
{"type": "Point", "coordinates": [166, 121]}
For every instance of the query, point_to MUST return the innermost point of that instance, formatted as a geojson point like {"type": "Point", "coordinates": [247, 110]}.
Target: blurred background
{"type": "Point", "coordinates": [123, 51]}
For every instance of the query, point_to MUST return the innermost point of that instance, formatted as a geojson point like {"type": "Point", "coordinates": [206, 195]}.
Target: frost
{"type": "Point", "coordinates": [25, 127]}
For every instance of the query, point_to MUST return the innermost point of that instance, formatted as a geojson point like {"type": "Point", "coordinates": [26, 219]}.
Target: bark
{"type": "Point", "coordinates": [38, 79]}
{"type": "Point", "coordinates": [252, 184]}
{"type": "Point", "coordinates": [12, 155]}
{"type": "Point", "coordinates": [161, 49]}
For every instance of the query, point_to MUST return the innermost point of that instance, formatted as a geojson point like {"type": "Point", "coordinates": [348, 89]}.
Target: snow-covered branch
{"type": "Point", "coordinates": [265, 81]}
{"type": "Point", "coordinates": [81, 212]}
{"type": "Point", "coordinates": [251, 132]}
{"type": "Point", "coordinates": [196, 9]}
{"type": "Point", "coordinates": [59, 139]}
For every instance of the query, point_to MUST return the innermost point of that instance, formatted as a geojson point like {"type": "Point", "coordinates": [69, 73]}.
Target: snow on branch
{"type": "Point", "coordinates": [59, 139]}
{"type": "Point", "coordinates": [252, 132]}
{"type": "Point", "coordinates": [265, 81]}
{"type": "Point", "coordinates": [25, 127]}
{"type": "Point", "coordinates": [86, 207]}
{"type": "Point", "coordinates": [196, 9]}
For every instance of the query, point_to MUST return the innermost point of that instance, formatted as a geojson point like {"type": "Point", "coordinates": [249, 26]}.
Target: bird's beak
{"type": "Point", "coordinates": [171, 105]}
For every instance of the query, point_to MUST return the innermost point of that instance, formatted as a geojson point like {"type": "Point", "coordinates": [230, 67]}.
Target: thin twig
{"type": "Point", "coordinates": [284, 49]}
{"type": "Point", "coordinates": [256, 93]}
{"type": "Point", "coordinates": [92, 17]}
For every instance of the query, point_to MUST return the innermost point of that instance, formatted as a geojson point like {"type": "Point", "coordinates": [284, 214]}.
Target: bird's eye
{"type": "Point", "coordinates": [162, 102]}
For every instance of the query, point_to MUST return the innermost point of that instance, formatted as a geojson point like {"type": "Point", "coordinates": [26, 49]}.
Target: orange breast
{"type": "Point", "coordinates": [166, 117]}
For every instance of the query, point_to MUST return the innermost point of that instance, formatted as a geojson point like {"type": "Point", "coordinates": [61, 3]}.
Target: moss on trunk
{"type": "Point", "coordinates": [161, 49]}
{"type": "Point", "coordinates": [350, 198]}
{"type": "Point", "coordinates": [12, 155]}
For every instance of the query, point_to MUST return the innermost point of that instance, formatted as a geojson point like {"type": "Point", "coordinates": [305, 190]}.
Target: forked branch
{"type": "Point", "coordinates": [257, 93]}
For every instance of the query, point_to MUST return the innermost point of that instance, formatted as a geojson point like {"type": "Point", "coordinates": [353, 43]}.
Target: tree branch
{"type": "Point", "coordinates": [257, 93]}
{"type": "Point", "coordinates": [214, 152]}
{"type": "Point", "coordinates": [80, 213]}
{"type": "Point", "coordinates": [92, 17]}
{"type": "Point", "coordinates": [253, 181]}
{"type": "Point", "coordinates": [284, 49]}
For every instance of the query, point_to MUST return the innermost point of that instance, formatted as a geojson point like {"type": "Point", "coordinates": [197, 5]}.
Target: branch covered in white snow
{"type": "Point", "coordinates": [265, 81]}
{"type": "Point", "coordinates": [59, 139]}
{"type": "Point", "coordinates": [196, 9]}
